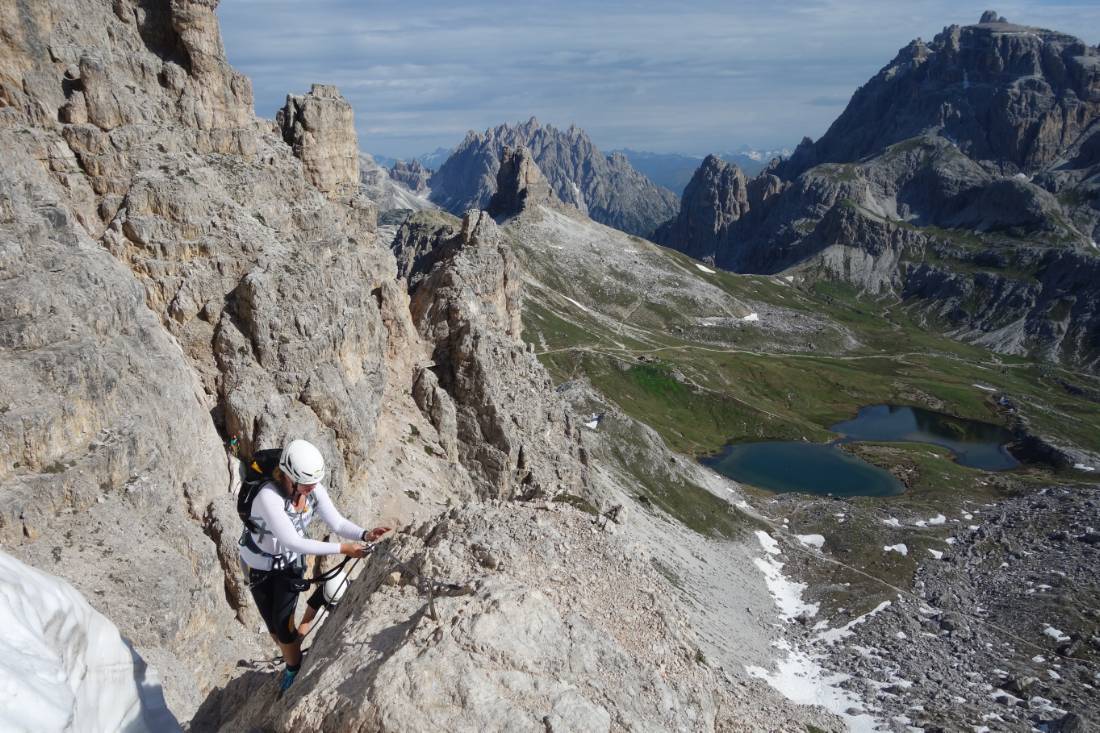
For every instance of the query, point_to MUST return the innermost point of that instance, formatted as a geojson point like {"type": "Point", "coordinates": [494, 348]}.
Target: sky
{"type": "Point", "coordinates": [694, 77]}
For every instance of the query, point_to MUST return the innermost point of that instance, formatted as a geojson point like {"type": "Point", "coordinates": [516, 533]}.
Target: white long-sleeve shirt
{"type": "Point", "coordinates": [282, 529]}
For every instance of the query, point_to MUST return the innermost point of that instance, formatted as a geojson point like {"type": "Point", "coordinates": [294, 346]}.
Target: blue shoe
{"type": "Point", "coordinates": [287, 680]}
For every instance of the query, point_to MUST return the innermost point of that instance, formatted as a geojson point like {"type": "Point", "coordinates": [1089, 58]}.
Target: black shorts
{"type": "Point", "coordinates": [276, 595]}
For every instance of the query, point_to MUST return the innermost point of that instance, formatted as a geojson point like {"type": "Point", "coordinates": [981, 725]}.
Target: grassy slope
{"type": "Point", "coordinates": [702, 388]}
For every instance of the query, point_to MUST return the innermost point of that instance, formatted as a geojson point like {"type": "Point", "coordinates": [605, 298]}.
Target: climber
{"type": "Point", "coordinates": [276, 512]}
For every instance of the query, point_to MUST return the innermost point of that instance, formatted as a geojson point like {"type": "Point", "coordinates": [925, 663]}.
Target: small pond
{"type": "Point", "coordinates": [806, 467]}
{"type": "Point", "coordinates": [812, 468]}
{"type": "Point", "coordinates": [975, 444]}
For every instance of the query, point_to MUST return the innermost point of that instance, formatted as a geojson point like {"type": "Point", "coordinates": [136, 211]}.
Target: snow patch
{"type": "Point", "coordinates": [1083, 467]}
{"type": "Point", "coordinates": [751, 318]}
{"type": "Point", "coordinates": [579, 305]}
{"type": "Point", "coordinates": [938, 519]}
{"type": "Point", "coordinates": [704, 268]}
{"type": "Point", "coordinates": [811, 540]}
{"type": "Point", "coordinates": [1055, 634]}
{"type": "Point", "coordinates": [800, 678]}
{"type": "Point", "coordinates": [891, 522]}
{"type": "Point", "coordinates": [935, 553]}
{"type": "Point", "coordinates": [767, 542]}
{"type": "Point", "coordinates": [843, 632]}
{"type": "Point", "coordinates": [62, 662]}
{"type": "Point", "coordinates": [786, 593]}
{"type": "Point", "coordinates": [984, 387]}
{"type": "Point", "coordinates": [899, 548]}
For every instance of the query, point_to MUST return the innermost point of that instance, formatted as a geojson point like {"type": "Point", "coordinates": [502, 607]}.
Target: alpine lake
{"type": "Point", "coordinates": [826, 469]}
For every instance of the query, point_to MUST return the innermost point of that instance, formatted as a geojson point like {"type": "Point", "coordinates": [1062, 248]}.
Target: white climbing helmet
{"type": "Point", "coordinates": [302, 462]}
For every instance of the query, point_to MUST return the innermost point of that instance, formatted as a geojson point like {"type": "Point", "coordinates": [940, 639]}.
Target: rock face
{"type": "Point", "coordinates": [320, 127]}
{"type": "Point", "coordinates": [715, 197]}
{"type": "Point", "coordinates": [520, 185]}
{"type": "Point", "coordinates": [158, 242]}
{"type": "Point", "coordinates": [412, 174]}
{"type": "Point", "coordinates": [977, 150]}
{"type": "Point", "coordinates": [1001, 92]}
{"type": "Point", "coordinates": [606, 188]}
{"type": "Point", "coordinates": [525, 647]}
{"type": "Point", "coordinates": [514, 437]}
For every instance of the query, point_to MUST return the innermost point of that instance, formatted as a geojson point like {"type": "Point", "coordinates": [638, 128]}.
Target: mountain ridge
{"type": "Point", "coordinates": [605, 187]}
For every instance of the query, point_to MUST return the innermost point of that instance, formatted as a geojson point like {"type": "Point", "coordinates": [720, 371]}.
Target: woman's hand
{"type": "Point", "coordinates": [354, 549]}
{"type": "Point", "coordinates": [374, 534]}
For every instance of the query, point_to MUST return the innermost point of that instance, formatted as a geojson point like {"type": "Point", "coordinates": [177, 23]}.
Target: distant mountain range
{"type": "Point", "coordinates": [431, 160]}
{"type": "Point", "coordinates": [674, 170]}
{"type": "Point", "coordinates": [606, 187]}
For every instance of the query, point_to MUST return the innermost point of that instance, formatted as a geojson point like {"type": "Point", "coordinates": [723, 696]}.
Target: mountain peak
{"type": "Point", "coordinates": [520, 184]}
{"type": "Point", "coordinates": [606, 188]}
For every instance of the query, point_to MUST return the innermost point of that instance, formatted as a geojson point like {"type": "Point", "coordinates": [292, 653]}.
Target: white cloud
{"type": "Point", "coordinates": [691, 77]}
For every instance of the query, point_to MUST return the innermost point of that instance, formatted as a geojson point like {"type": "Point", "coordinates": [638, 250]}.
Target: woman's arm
{"type": "Point", "coordinates": [327, 510]}
{"type": "Point", "coordinates": [268, 506]}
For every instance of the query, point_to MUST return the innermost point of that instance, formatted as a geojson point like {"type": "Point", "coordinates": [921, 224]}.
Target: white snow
{"type": "Point", "coordinates": [579, 305]}
{"type": "Point", "coordinates": [968, 515]}
{"type": "Point", "coordinates": [790, 278]}
{"type": "Point", "coordinates": [950, 540]}
{"type": "Point", "coordinates": [704, 268]}
{"type": "Point", "coordinates": [984, 387]}
{"type": "Point", "coordinates": [801, 679]}
{"type": "Point", "coordinates": [832, 636]}
{"type": "Point", "coordinates": [64, 666]}
{"type": "Point", "coordinates": [899, 548]}
{"type": "Point", "coordinates": [935, 553]}
{"type": "Point", "coordinates": [891, 522]}
{"type": "Point", "coordinates": [938, 519]}
{"type": "Point", "coordinates": [1055, 634]}
{"type": "Point", "coordinates": [767, 542]}
{"type": "Point", "coordinates": [1038, 659]}
{"type": "Point", "coordinates": [592, 424]}
{"type": "Point", "coordinates": [786, 593]}
{"type": "Point", "coordinates": [812, 540]}
{"type": "Point", "coordinates": [1083, 467]}
{"type": "Point", "coordinates": [751, 318]}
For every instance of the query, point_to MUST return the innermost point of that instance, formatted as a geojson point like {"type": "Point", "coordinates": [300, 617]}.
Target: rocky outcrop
{"type": "Point", "coordinates": [515, 437]}
{"type": "Point", "coordinates": [176, 277]}
{"type": "Point", "coordinates": [412, 174]}
{"type": "Point", "coordinates": [522, 646]}
{"type": "Point", "coordinates": [520, 185]}
{"type": "Point", "coordinates": [715, 197]}
{"type": "Point", "coordinates": [320, 127]}
{"type": "Point", "coordinates": [606, 188]}
{"type": "Point", "coordinates": [1002, 92]}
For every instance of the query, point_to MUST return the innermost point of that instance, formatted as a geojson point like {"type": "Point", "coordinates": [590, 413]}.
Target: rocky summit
{"type": "Point", "coordinates": [976, 151]}
{"type": "Point", "coordinates": [606, 188]}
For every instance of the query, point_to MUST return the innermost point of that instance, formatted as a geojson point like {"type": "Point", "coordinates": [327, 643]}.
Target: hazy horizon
{"type": "Point", "coordinates": [693, 79]}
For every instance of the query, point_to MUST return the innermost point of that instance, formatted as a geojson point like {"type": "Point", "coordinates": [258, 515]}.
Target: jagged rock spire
{"type": "Point", "coordinates": [520, 184]}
